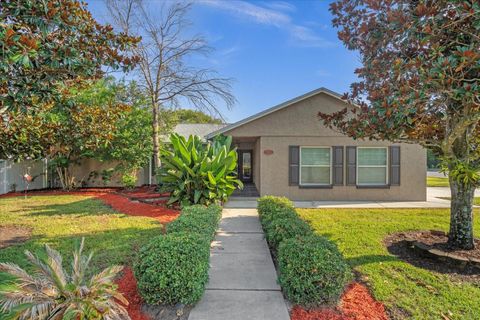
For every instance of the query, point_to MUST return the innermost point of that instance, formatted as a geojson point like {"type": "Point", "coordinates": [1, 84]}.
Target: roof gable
{"type": "Point", "coordinates": [276, 108]}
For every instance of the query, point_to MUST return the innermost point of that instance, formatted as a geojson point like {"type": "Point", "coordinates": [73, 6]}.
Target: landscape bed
{"type": "Point", "coordinates": [114, 227]}
{"type": "Point", "coordinates": [312, 272]}
{"type": "Point", "coordinates": [407, 289]}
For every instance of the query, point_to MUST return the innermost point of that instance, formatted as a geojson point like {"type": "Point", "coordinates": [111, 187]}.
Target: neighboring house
{"type": "Point", "coordinates": [198, 129]}
{"type": "Point", "coordinates": [287, 151]}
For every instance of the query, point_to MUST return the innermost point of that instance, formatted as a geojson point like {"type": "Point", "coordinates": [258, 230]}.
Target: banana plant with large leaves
{"type": "Point", "coordinates": [198, 172]}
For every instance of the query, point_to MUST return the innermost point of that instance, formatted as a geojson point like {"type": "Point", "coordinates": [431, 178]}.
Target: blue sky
{"type": "Point", "coordinates": [274, 50]}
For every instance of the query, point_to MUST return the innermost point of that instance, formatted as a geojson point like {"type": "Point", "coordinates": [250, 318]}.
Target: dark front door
{"type": "Point", "coordinates": [245, 165]}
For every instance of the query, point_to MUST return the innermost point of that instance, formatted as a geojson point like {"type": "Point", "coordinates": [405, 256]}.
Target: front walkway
{"type": "Point", "coordinates": [243, 282]}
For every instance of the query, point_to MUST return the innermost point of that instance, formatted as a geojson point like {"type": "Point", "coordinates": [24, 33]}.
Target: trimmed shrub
{"type": "Point", "coordinates": [276, 214]}
{"type": "Point", "coordinates": [285, 228]}
{"type": "Point", "coordinates": [268, 203]}
{"type": "Point", "coordinates": [270, 208]}
{"type": "Point", "coordinates": [197, 219]}
{"type": "Point", "coordinates": [173, 268]}
{"type": "Point", "coordinates": [312, 270]}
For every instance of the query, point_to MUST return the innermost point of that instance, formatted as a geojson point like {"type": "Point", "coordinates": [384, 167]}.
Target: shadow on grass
{"type": "Point", "coordinates": [84, 207]}
{"type": "Point", "coordinates": [369, 259]}
{"type": "Point", "coordinates": [111, 247]}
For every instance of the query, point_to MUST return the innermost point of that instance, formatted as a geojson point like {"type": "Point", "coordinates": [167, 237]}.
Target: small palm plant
{"type": "Point", "coordinates": [51, 293]}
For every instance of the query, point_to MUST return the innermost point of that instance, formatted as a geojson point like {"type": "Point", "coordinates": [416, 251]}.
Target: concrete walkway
{"type": "Point", "coordinates": [434, 195]}
{"type": "Point", "coordinates": [243, 281]}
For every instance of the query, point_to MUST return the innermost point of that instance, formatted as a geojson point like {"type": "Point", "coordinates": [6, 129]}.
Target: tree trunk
{"type": "Point", "coordinates": [461, 218]}
{"type": "Point", "coordinates": [156, 137]}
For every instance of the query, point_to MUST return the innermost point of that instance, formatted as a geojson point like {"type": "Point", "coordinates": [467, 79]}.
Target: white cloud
{"type": "Point", "coordinates": [273, 15]}
{"type": "Point", "coordinates": [280, 5]}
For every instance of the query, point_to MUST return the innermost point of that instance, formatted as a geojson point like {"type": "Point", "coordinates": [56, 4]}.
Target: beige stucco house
{"type": "Point", "coordinates": [287, 151]}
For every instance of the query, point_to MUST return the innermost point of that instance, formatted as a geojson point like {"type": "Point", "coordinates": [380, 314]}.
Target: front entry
{"type": "Point", "coordinates": [245, 165]}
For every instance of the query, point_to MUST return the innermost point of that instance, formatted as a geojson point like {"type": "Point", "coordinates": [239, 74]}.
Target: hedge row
{"type": "Point", "coordinates": [312, 271]}
{"type": "Point", "coordinates": [173, 268]}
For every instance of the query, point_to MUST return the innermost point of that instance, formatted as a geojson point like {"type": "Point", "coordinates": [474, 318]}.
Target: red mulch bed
{"type": "Point", "coordinates": [127, 285]}
{"type": "Point", "coordinates": [356, 304]}
{"type": "Point", "coordinates": [116, 200]}
{"type": "Point", "coordinates": [124, 205]}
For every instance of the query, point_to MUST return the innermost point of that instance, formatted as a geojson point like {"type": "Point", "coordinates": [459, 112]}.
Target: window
{"type": "Point", "coordinates": [315, 166]}
{"type": "Point", "coordinates": [372, 166]}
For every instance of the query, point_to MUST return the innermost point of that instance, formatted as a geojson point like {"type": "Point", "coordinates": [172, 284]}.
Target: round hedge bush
{"type": "Point", "coordinates": [284, 228]}
{"type": "Point", "coordinates": [312, 270]}
{"type": "Point", "coordinates": [173, 268]}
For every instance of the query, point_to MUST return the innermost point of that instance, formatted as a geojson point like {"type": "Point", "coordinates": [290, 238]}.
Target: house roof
{"type": "Point", "coordinates": [198, 129]}
{"type": "Point", "coordinates": [280, 106]}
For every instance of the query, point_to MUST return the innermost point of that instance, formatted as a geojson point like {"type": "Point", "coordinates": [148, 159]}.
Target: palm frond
{"type": "Point", "coordinates": [51, 294]}
{"type": "Point", "coordinates": [17, 272]}
{"type": "Point", "coordinates": [57, 272]}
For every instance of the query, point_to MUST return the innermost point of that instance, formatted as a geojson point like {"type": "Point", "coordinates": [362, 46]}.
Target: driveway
{"type": "Point", "coordinates": [436, 174]}
{"type": "Point", "coordinates": [444, 192]}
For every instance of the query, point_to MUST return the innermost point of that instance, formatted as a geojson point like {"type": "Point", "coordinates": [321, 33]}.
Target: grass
{"type": "Point", "coordinates": [61, 221]}
{"type": "Point", "coordinates": [407, 291]}
{"type": "Point", "coordinates": [437, 182]}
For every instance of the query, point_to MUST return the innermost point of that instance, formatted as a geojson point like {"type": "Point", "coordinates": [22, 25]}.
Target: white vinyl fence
{"type": "Point", "coordinates": [11, 175]}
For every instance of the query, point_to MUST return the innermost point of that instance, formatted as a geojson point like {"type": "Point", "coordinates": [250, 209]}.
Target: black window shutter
{"type": "Point", "coordinates": [293, 165]}
{"type": "Point", "coordinates": [394, 165]}
{"type": "Point", "coordinates": [351, 165]}
{"type": "Point", "coordinates": [337, 165]}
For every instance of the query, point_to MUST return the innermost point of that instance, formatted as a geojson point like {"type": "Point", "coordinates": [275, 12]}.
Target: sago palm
{"type": "Point", "coordinates": [49, 292]}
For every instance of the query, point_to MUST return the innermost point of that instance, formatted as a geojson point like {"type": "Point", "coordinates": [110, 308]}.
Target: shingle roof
{"type": "Point", "coordinates": [199, 129]}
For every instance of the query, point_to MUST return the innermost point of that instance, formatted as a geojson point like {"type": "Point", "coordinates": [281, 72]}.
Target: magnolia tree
{"type": "Point", "coordinates": [48, 46]}
{"type": "Point", "coordinates": [419, 83]}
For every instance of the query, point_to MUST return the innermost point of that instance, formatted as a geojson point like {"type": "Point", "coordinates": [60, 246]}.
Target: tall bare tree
{"type": "Point", "coordinates": [164, 70]}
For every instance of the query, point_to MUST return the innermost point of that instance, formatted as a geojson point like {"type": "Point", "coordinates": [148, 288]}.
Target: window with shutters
{"type": "Point", "coordinates": [315, 166]}
{"type": "Point", "coordinates": [372, 166]}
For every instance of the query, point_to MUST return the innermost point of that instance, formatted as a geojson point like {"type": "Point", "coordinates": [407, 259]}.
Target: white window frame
{"type": "Point", "coordinates": [373, 166]}
{"type": "Point", "coordinates": [316, 165]}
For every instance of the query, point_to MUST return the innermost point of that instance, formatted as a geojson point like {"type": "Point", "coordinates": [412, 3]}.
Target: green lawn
{"type": "Point", "coordinates": [407, 291]}
{"type": "Point", "coordinates": [437, 182]}
{"type": "Point", "coordinates": [62, 220]}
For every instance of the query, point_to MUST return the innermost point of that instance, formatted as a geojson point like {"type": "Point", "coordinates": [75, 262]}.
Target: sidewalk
{"type": "Point", "coordinates": [434, 200]}
{"type": "Point", "coordinates": [243, 281]}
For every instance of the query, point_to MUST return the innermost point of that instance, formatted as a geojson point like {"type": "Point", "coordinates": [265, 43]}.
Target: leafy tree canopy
{"type": "Point", "coordinates": [190, 116]}
{"type": "Point", "coordinates": [419, 83]}
{"type": "Point", "coordinates": [47, 46]}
